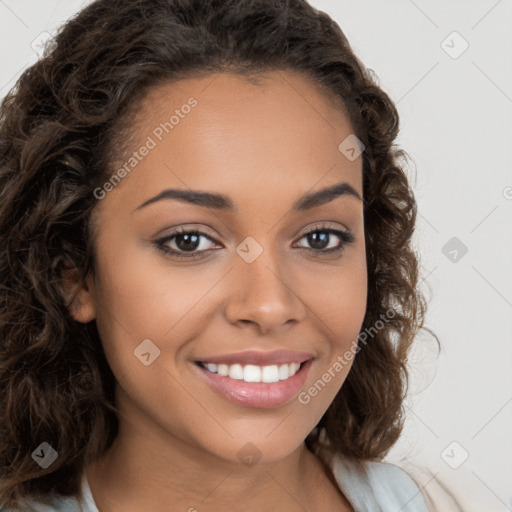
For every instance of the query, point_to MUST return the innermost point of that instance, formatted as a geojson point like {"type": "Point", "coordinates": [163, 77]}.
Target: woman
{"type": "Point", "coordinates": [209, 288]}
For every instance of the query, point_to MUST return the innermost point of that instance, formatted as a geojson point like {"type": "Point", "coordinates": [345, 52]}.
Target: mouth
{"type": "Point", "coordinates": [253, 385]}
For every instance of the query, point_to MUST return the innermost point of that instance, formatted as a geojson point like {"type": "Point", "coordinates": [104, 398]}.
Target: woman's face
{"type": "Point", "coordinates": [253, 288]}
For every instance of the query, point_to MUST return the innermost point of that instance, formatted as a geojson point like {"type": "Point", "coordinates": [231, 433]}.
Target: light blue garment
{"type": "Point", "coordinates": [377, 487]}
{"type": "Point", "coordinates": [368, 486]}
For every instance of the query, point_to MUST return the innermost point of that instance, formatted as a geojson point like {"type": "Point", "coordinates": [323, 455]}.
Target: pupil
{"type": "Point", "coordinates": [187, 245]}
{"type": "Point", "coordinates": [318, 239]}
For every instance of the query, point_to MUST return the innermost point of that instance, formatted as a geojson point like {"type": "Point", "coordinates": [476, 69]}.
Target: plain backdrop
{"type": "Point", "coordinates": [447, 66]}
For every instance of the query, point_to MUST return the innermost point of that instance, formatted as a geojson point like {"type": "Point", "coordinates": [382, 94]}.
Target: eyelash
{"type": "Point", "coordinates": [346, 238]}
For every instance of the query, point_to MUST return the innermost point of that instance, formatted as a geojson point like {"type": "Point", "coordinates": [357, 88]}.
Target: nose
{"type": "Point", "coordinates": [264, 297]}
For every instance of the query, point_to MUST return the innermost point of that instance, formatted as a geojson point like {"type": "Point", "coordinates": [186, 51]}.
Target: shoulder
{"type": "Point", "coordinates": [371, 484]}
{"type": "Point", "coordinates": [386, 475]}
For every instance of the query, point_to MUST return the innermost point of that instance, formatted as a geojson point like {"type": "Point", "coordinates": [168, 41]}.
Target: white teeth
{"type": "Point", "coordinates": [254, 373]}
{"type": "Point", "coordinates": [223, 369]}
{"type": "Point", "coordinates": [236, 372]}
{"type": "Point", "coordinates": [294, 368]}
{"type": "Point", "coordinates": [270, 373]}
{"type": "Point", "coordinates": [284, 372]}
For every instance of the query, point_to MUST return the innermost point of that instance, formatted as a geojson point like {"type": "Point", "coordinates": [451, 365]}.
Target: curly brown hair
{"type": "Point", "coordinates": [61, 130]}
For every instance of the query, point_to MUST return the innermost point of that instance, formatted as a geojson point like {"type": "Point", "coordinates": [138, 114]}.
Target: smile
{"type": "Point", "coordinates": [255, 386]}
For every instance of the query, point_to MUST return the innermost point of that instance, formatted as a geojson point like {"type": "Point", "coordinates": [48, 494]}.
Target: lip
{"type": "Point", "coordinates": [259, 357]}
{"type": "Point", "coordinates": [257, 394]}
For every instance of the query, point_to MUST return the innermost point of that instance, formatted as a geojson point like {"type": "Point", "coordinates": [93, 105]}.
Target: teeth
{"type": "Point", "coordinates": [222, 369]}
{"type": "Point", "coordinates": [284, 371]}
{"type": "Point", "coordinates": [253, 373]}
{"type": "Point", "coordinates": [270, 373]}
{"type": "Point", "coordinates": [236, 372]}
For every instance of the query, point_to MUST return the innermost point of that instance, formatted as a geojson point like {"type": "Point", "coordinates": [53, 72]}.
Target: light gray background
{"type": "Point", "coordinates": [456, 113]}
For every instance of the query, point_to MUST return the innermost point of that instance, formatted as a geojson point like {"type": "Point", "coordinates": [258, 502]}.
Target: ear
{"type": "Point", "coordinates": [78, 293]}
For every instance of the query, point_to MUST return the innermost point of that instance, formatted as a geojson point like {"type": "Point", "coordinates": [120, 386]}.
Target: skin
{"type": "Point", "coordinates": [264, 145]}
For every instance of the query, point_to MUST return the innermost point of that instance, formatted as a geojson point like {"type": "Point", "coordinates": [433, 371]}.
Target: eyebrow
{"type": "Point", "coordinates": [223, 202]}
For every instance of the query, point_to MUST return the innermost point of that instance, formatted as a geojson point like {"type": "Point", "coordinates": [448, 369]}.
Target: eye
{"type": "Point", "coordinates": [184, 241]}
{"type": "Point", "coordinates": [323, 239]}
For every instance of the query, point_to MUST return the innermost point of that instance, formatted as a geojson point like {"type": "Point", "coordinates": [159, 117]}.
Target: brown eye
{"type": "Point", "coordinates": [324, 239]}
{"type": "Point", "coordinates": [184, 243]}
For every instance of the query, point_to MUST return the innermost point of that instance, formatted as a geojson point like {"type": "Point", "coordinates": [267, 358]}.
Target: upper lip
{"type": "Point", "coordinates": [259, 357]}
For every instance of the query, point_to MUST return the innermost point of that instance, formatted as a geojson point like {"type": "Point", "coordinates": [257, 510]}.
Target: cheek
{"type": "Point", "coordinates": [340, 302]}
{"type": "Point", "coordinates": [340, 306]}
{"type": "Point", "coordinates": [142, 294]}
{"type": "Point", "coordinates": [131, 304]}
{"type": "Point", "coordinates": [143, 319]}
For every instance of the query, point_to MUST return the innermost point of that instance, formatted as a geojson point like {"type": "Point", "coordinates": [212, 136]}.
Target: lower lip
{"type": "Point", "coordinates": [257, 394]}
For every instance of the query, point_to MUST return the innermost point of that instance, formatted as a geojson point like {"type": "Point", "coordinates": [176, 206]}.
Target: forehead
{"type": "Point", "coordinates": [256, 132]}
{"type": "Point", "coordinates": [227, 86]}
{"type": "Point", "coordinates": [264, 102]}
